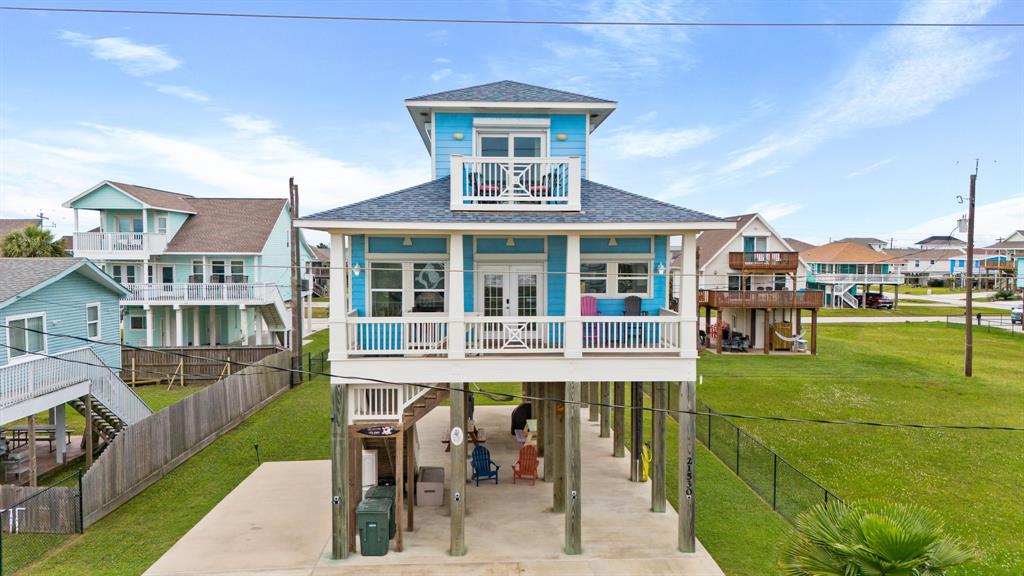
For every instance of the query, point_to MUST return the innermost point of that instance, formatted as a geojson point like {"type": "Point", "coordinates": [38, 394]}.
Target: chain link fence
{"type": "Point", "coordinates": [317, 364]}
{"type": "Point", "coordinates": [788, 490]}
{"type": "Point", "coordinates": [36, 520]}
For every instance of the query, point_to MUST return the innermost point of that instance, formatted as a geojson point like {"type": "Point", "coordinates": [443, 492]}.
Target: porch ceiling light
{"type": "Point", "coordinates": [613, 242]}
{"type": "Point", "coordinates": [510, 241]}
{"type": "Point", "coordinates": [407, 241]}
{"type": "Point", "coordinates": [357, 269]}
{"type": "Point", "coordinates": [661, 268]}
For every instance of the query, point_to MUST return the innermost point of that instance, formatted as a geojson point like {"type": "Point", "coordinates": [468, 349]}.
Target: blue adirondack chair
{"type": "Point", "coordinates": [483, 467]}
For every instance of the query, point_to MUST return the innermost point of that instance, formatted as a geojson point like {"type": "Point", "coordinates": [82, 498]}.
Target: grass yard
{"type": "Point", "coordinates": [935, 291]}
{"type": "Point", "coordinates": [898, 373]}
{"type": "Point", "coordinates": [904, 311]}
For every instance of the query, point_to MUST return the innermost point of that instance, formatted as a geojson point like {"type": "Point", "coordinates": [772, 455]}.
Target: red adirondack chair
{"type": "Point", "coordinates": [526, 467]}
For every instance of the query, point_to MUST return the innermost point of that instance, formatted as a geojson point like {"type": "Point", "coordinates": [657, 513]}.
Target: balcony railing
{"type": "Point", "coordinates": [125, 244]}
{"type": "Point", "coordinates": [381, 402]}
{"type": "Point", "coordinates": [829, 278]}
{"type": "Point", "coordinates": [397, 336]}
{"type": "Point", "coordinates": [781, 261]}
{"type": "Point", "coordinates": [241, 293]}
{"type": "Point", "coordinates": [486, 183]}
{"type": "Point", "coordinates": [761, 299]}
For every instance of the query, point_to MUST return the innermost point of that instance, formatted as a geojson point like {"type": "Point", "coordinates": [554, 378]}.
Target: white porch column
{"type": "Point", "coordinates": [211, 326]}
{"type": "Point", "coordinates": [573, 322]}
{"type": "Point", "coordinates": [149, 326]}
{"type": "Point", "coordinates": [243, 320]}
{"type": "Point", "coordinates": [456, 298]}
{"type": "Point", "coordinates": [61, 434]}
{"type": "Point", "coordinates": [688, 296]}
{"type": "Point", "coordinates": [196, 333]}
{"type": "Point", "coordinates": [338, 321]}
{"type": "Point", "coordinates": [76, 220]}
{"type": "Point", "coordinates": [258, 318]}
{"type": "Point", "coordinates": [179, 326]}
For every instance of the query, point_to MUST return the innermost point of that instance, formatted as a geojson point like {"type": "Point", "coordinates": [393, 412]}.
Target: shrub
{"type": "Point", "coordinates": [936, 282]}
{"type": "Point", "coordinates": [1004, 294]}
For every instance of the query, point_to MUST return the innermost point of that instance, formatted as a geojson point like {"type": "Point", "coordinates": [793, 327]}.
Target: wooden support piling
{"type": "Point", "coordinates": [340, 526]}
{"type": "Point", "coordinates": [619, 424]}
{"type": "Point", "coordinates": [605, 410]}
{"type": "Point", "coordinates": [687, 476]}
{"type": "Point", "coordinates": [636, 422]}
{"type": "Point", "coordinates": [659, 402]}
{"type": "Point", "coordinates": [550, 432]}
{"type": "Point", "coordinates": [539, 414]}
{"type": "Point", "coordinates": [814, 331]}
{"type": "Point", "coordinates": [457, 503]}
{"type": "Point", "coordinates": [558, 490]}
{"type": "Point", "coordinates": [410, 474]}
{"type": "Point", "coordinates": [593, 394]}
{"type": "Point", "coordinates": [33, 463]}
{"type": "Point", "coordinates": [573, 494]}
{"type": "Point", "coordinates": [399, 488]}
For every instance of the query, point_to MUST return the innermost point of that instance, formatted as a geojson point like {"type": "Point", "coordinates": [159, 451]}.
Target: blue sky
{"type": "Point", "coordinates": [828, 131]}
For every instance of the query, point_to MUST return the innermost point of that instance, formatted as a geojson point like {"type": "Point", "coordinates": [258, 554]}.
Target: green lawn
{"type": "Point", "coordinates": [897, 373]}
{"type": "Point", "coordinates": [904, 311]}
{"type": "Point", "coordinates": [935, 291]}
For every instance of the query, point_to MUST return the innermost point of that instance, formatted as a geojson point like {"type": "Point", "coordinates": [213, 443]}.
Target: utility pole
{"type": "Point", "coordinates": [293, 197]}
{"type": "Point", "coordinates": [969, 284]}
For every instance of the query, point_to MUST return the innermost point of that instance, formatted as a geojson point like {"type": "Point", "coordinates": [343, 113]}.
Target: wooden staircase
{"type": "Point", "coordinates": [105, 422]}
{"type": "Point", "coordinates": [424, 404]}
{"type": "Point", "coordinates": [385, 447]}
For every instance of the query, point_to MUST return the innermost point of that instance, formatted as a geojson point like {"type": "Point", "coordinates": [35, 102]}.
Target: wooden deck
{"type": "Point", "coordinates": [806, 299]}
{"type": "Point", "coordinates": [764, 261]}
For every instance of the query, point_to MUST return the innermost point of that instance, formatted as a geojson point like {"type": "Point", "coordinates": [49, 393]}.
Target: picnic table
{"type": "Point", "coordinates": [17, 435]}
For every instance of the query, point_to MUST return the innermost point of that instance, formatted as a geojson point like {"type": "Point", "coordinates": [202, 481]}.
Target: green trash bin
{"type": "Point", "coordinates": [385, 493]}
{"type": "Point", "coordinates": [372, 517]}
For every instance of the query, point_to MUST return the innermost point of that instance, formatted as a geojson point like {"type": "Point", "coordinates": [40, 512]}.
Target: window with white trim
{"type": "Point", "coordinates": [613, 278]}
{"type": "Point", "coordinates": [92, 321]}
{"type": "Point", "coordinates": [161, 223]}
{"type": "Point", "coordinates": [25, 336]}
{"type": "Point", "coordinates": [137, 322]}
{"type": "Point", "coordinates": [386, 289]}
{"type": "Point", "coordinates": [633, 277]}
{"type": "Point", "coordinates": [780, 282]}
{"type": "Point", "coordinates": [237, 271]}
{"type": "Point", "coordinates": [428, 287]}
{"type": "Point", "coordinates": [594, 277]}
{"type": "Point", "coordinates": [197, 272]}
{"type": "Point", "coordinates": [217, 270]}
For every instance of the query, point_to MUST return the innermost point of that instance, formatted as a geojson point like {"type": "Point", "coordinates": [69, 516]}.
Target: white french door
{"type": "Point", "coordinates": [512, 290]}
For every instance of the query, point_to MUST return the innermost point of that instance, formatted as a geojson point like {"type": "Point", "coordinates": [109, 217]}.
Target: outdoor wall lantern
{"type": "Point", "coordinates": [357, 269]}
{"type": "Point", "coordinates": [458, 136]}
{"type": "Point", "coordinates": [613, 242]}
{"type": "Point", "coordinates": [561, 137]}
{"type": "Point", "coordinates": [407, 241]}
{"type": "Point", "coordinates": [510, 242]}
{"type": "Point", "coordinates": [661, 268]}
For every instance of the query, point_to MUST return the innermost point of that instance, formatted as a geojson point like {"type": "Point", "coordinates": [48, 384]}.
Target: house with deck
{"type": "Point", "coordinates": [509, 264]}
{"type": "Point", "coordinates": [199, 271]}
{"type": "Point", "coordinates": [941, 243]}
{"type": "Point", "coordinates": [921, 265]}
{"type": "Point", "coordinates": [59, 346]}
{"type": "Point", "coordinates": [846, 270]}
{"type": "Point", "coordinates": [754, 282]}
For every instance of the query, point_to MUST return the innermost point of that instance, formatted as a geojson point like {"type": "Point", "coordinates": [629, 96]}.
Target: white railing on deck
{"type": "Point", "coordinates": [382, 402]}
{"type": "Point", "coordinates": [893, 278]}
{"type": "Point", "coordinates": [30, 379]}
{"type": "Point", "coordinates": [631, 333]}
{"type": "Point", "coordinates": [202, 292]}
{"type": "Point", "coordinates": [487, 183]}
{"type": "Point", "coordinates": [397, 335]}
{"type": "Point", "coordinates": [521, 334]}
{"type": "Point", "coordinates": [119, 242]}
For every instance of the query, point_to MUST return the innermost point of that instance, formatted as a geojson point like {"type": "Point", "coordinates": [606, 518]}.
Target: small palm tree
{"type": "Point", "coordinates": [871, 538]}
{"type": "Point", "coordinates": [32, 242]}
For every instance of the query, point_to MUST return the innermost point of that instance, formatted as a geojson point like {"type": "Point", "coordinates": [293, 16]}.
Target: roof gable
{"type": "Point", "coordinates": [23, 276]}
{"type": "Point", "coordinates": [508, 91]}
{"type": "Point", "coordinates": [144, 197]}
{"type": "Point", "coordinates": [844, 253]}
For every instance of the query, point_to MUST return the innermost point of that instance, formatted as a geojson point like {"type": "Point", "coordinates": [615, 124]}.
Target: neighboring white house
{"type": "Point", "coordinates": [941, 243]}
{"type": "Point", "coordinates": [918, 266]}
{"type": "Point", "coordinates": [875, 244]}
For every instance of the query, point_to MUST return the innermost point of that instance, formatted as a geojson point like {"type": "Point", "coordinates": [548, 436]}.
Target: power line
{"type": "Point", "coordinates": [769, 418]}
{"type": "Point", "coordinates": [508, 21]}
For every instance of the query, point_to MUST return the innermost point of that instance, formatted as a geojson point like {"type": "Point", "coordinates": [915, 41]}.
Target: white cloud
{"type": "Point", "coordinates": [992, 221]}
{"type": "Point", "coordinates": [135, 59]}
{"type": "Point", "coordinates": [632, 143]}
{"type": "Point", "coordinates": [775, 210]}
{"type": "Point", "coordinates": [869, 168]}
{"type": "Point", "coordinates": [904, 74]}
{"type": "Point", "coordinates": [183, 92]}
{"type": "Point", "coordinates": [442, 60]}
{"type": "Point", "coordinates": [441, 74]}
{"type": "Point", "coordinates": [249, 125]}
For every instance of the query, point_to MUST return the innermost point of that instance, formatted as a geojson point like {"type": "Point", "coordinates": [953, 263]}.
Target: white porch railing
{"type": "Point", "coordinates": [119, 243]}
{"type": "Point", "coordinates": [631, 333]}
{"type": "Point", "coordinates": [891, 278]}
{"type": "Point", "coordinates": [381, 402]}
{"type": "Point", "coordinates": [514, 334]}
{"type": "Point", "coordinates": [486, 183]}
{"type": "Point", "coordinates": [240, 293]}
{"type": "Point", "coordinates": [397, 335]}
{"type": "Point", "coordinates": [30, 379]}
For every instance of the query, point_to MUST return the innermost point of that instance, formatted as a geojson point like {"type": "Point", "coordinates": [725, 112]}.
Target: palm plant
{"type": "Point", "coordinates": [32, 242]}
{"type": "Point", "coordinates": [871, 538]}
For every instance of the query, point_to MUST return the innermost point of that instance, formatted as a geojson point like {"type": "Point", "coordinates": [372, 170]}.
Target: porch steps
{"type": "Point", "coordinates": [424, 404]}
{"type": "Point", "coordinates": [105, 422]}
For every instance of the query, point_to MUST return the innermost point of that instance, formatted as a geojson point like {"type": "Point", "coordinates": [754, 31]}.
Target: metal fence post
{"type": "Point", "coordinates": [709, 428]}
{"type": "Point", "coordinates": [775, 478]}
{"type": "Point", "coordinates": [737, 450]}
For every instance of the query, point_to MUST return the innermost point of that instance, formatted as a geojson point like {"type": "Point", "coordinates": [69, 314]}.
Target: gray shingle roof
{"type": "Point", "coordinates": [20, 274]}
{"type": "Point", "coordinates": [227, 225]}
{"type": "Point", "coordinates": [430, 202]}
{"type": "Point", "coordinates": [510, 91]}
{"type": "Point", "coordinates": [8, 225]}
{"type": "Point", "coordinates": [157, 198]}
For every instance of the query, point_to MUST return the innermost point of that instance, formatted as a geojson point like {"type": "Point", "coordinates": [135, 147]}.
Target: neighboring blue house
{"type": "Point", "coordinates": [200, 271]}
{"type": "Point", "coordinates": [509, 265]}
{"type": "Point", "coordinates": [59, 340]}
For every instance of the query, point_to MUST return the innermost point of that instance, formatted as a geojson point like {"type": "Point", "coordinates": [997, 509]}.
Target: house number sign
{"type": "Point", "coordinates": [457, 436]}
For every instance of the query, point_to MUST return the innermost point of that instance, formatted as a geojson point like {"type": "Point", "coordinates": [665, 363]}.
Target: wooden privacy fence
{"type": "Point", "coordinates": [39, 509]}
{"type": "Point", "coordinates": [144, 452]}
{"type": "Point", "coordinates": [191, 364]}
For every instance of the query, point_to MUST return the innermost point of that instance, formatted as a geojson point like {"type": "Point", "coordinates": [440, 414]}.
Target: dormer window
{"type": "Point", "coordinates": [518, 144]}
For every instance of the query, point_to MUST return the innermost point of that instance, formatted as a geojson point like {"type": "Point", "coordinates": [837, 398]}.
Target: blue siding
{"type": "Point", "coordinates": [494, 245]}
{"type": "Point", "coordinates": [658, 299]}
{"type": "Point", "coordinates": [447, 124]}
{"type": "Point", "coordinates": [64, 303]}
{"type": "Point", "coordinates": [420, 245]}
{"type": "Point", "coordinates": [276, 258]}
{"type": "Point", "coordinates": [358, 283]}
{"type": "Point", "coordinates": [557, 249]}
{"type": "Point", "coordinates": [467, 276]}
{"type": "Point", "coordinates": [627, 245]}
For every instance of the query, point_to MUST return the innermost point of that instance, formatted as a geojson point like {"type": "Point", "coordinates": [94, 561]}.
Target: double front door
{"type": "Point", "coordinates": [512, 294]}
